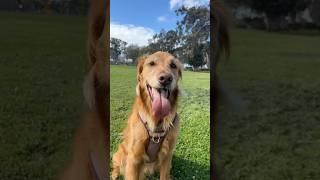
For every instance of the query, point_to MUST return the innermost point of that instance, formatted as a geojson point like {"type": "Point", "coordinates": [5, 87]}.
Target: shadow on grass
{"type": "Point", "coordinates": [186, 169]}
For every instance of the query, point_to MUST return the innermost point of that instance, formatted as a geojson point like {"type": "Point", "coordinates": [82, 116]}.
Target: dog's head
{"type": "Point", "coordinates": [158, 75]}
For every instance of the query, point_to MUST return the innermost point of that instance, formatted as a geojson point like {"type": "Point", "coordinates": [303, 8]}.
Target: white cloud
{"type": "Point", "coordinates": [188, 3]}
{"type": "Point", "coordinates": [174, 3]}
{"type": "Point", "coordinates": [162, 19]}
{"type": "Point", "coordinates": [131, 34]}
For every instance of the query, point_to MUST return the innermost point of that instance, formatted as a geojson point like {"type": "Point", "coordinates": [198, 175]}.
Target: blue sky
{"type": "Point", "coordinates": [144, 13]}
{"type": "Point", "coordinates": [135, 21]}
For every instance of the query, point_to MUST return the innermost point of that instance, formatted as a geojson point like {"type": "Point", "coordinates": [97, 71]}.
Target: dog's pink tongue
{"type": "Point", "coordinates": [160, 104]}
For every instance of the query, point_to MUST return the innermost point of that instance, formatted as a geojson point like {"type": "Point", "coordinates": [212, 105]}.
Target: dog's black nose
{"type": "Point", "coordinates": [165, 79]}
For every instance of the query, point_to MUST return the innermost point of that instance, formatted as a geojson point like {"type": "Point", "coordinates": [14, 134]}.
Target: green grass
{"type": "Point", "coordinates": [42, 63]}
{"type": "Point", "coordinates": [277, 136]}
{"type": "Point", "coordinates": [191, 156]}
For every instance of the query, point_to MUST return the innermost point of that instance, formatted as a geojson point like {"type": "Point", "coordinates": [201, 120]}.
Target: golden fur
{"type": "Point", "coordinates": [131, 157]}
{"type": "Point", "coordinates": [89, 156]}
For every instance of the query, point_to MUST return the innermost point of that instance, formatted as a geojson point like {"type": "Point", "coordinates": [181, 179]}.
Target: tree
{"type": "Point", "coordinates": [276, 10]}
{"type": "Point", "coordinates": [167, 40]}
{"type": "Point", "coordinates": [194, 31]}
{"type": "Point", "coordinates": [133, 52]}
{"type": "Point", "coordinates": [77, 6]}
{"type": "Point", "coordinates": [197, 57]}
{"type": "Point", "coordinates": [315, 13]}
{"type": "Point", "coordinates": [117, 47]}
{"type": "Point", "coordinates": [164, 41]}
{"type": "Point", "coordinates": [190, 39]}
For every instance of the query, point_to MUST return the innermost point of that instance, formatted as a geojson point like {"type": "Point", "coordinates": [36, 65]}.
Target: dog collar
{"type": "Point", "coordinates": [155, 138]}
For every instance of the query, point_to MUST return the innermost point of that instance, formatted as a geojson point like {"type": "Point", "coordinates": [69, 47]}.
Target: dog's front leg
{"type": "Point", "coordinates": [165, 168]}
{"type": "Point", "coordinates": [132, 168]}
{"type": "Point", "coordinates": [134, 161]}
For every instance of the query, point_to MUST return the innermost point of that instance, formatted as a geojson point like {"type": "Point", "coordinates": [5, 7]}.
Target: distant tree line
{"type": "Point", "coordinates": [189, 41]}
{"type": "Point", "coordinates": [70, 7]}
{"type": "Point", "coordinates": [283, 14]}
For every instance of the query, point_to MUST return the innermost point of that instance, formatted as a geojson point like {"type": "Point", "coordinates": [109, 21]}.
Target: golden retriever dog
{"type": "Point", "coordinates": [152, 129]}
{"type": "Point", "coordinates": [90, 155]}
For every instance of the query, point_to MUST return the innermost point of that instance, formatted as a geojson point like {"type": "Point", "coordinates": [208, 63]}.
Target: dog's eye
{"type": "Point", "coordinates": [173, 65]}
{"type": "Point", "coordinates": [152, 63]}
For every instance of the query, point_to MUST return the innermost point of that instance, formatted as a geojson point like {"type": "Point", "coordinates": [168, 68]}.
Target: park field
{"type": "Point", "coordinates": [274, 134]}
{"type": "Point", "coordinates": [193, 146]}
{"type": "Point", "coordinates": [42, 65]}
{"type": "Point", "coordinates": [274, 130]}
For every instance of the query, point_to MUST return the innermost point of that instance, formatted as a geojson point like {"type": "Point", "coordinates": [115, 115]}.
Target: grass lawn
{"type": "Point", "coordinates": [191, 156]}
{"type": "Point", "coordinates": [42, 64]}
{"type": "Point", "coordinates": [277, 136]}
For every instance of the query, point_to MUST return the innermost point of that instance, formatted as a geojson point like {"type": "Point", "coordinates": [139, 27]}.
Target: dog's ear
{"type": "Point", "coordinates": [180, 68]}
{"type": "Point", "coordinates": [141, 61]}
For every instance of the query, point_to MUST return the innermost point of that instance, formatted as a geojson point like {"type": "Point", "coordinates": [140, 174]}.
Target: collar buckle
{"type": "Point", "coordinates": [156, 139]}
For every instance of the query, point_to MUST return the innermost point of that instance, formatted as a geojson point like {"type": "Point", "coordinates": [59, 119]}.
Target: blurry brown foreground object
{"type": "Point", "coordinates": [90, 149]}
{"type": "Point", "coordinates": [220, 44]}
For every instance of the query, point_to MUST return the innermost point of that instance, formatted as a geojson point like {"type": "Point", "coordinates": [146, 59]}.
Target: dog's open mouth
{"type": "Point", "coordinates": [160, 101]}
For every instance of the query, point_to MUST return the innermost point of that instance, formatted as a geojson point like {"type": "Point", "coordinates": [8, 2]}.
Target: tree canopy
{"type": "Point", "coordinates": [189, 41]}
{"type": "Point", "coordinates": [117, 47]}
